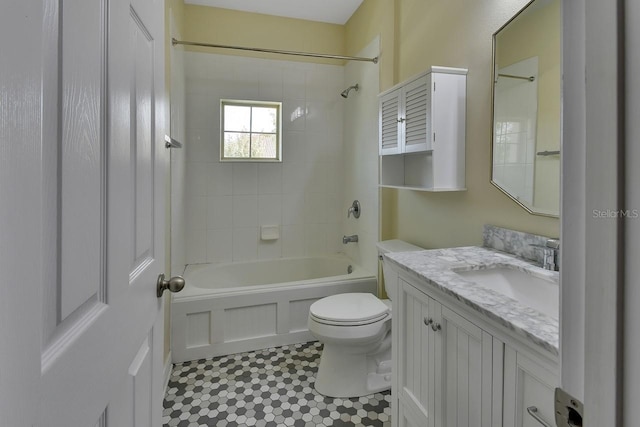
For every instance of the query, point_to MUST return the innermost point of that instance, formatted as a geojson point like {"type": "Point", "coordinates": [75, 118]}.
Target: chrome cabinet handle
{"type": "Point", "coordinates": [533, 411]}
{"type": "Point", "coordinates": [435, 327]}
{"type": "Point", "coordinates": [171, 143]}
{"type": "Point", "coordinates": [428, 321]}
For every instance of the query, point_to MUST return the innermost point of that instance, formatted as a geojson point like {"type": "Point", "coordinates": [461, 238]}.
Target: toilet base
{"type": "Point", "coordinates": [342, 374]}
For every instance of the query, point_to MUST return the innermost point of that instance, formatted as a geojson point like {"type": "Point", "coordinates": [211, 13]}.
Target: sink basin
{"type": "Point", "coordinates": [539, 293]}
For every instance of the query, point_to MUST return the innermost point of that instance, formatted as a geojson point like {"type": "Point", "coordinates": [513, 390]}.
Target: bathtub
{"type": "Point", "coordinates": [231, 308]}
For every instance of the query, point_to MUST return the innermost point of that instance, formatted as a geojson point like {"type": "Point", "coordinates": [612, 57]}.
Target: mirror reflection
{"type": "Point", "coordinates": [526, 108]}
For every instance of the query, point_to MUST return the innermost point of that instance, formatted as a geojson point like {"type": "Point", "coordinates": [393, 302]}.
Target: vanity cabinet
{"type": "Point", "coordinates": [445, 365]}
{"type": "Point", "coordinates": [422, 131]}
{"type": "Point", "coordinates": [453, 367]}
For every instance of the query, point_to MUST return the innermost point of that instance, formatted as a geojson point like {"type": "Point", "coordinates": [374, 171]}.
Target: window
{"type": "Point", "coordinates": [250, 131]}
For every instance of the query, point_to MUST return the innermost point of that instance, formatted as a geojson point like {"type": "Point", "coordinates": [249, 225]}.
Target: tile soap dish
{"type": "Point", "coordinates": [269, 232]}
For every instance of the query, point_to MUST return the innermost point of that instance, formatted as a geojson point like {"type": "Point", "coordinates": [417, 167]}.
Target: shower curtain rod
{"type": "Point", "coordinates": [281, 52]}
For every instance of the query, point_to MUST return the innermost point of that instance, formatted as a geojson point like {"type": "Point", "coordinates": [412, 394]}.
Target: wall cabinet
{"type": "Point", "coordinates": [453, 369]}
{"type": "Point", "coordinates": [422, 131]}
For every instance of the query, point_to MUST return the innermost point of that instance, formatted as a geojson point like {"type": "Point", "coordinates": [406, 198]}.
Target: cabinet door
{"type": "Point", "coordinates": [528, 391]}
{"type": "Point", "coordinates": [417, 115]}
{"type": "Point", "coordinates": [414, 354]}
{"type": "Point", "coordinates": [390, 123]}
{"type": "Point", "coordinates": [462, 371]}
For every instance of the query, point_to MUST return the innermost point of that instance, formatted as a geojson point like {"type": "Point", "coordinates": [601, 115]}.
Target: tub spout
{"type": "Point", "coordinates": [348, 239]}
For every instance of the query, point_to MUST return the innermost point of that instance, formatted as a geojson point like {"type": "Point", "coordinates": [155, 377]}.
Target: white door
{"type": "Point", "coordinates": [593, 335]}
{"type": "Point", "coordinates": [84, 232]}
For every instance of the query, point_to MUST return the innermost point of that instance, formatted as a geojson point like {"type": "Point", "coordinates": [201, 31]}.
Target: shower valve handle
{"type": "Point", "coordinates": [354, 209]}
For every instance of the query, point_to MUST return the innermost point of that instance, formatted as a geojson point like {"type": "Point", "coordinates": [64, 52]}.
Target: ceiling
{"type": "Point", "coordinates": [331, 11]}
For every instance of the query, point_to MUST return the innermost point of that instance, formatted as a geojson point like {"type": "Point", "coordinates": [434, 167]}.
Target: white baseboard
{"type": "Point", "coordinates": [168, 366]}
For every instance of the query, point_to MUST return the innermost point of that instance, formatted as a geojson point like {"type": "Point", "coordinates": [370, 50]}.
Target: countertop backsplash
{"type": "Point", "coordinates": [517, 243]}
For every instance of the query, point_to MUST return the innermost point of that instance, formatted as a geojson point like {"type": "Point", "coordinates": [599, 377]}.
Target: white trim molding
{"type": "Point", "coordinates": [168, 367]}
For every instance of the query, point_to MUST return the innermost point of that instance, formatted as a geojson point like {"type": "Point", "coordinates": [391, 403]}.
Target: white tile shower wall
{"type": "Point", "coordinates": [361, 158]}
{"type": "Point", "coordinates": [228, 202]}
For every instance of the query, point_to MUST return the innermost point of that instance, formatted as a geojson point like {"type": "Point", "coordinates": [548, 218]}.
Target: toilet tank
{"type": "Point", "coordinates": [395, 245]}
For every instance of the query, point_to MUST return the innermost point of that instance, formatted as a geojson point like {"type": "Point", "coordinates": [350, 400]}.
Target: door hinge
{"type": "Point", "coordinates": [434, 86]}
{"type": "Point", "coordinates": [569, 410]}
{"type": "Point", "coordinates": [434, 137]}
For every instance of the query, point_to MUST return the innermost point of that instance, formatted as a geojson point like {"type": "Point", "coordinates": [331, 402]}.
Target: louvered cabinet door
{"type": "Point", "coordinates": [417, 115]}
{"type": "Point", "coordinates": [390, 122]}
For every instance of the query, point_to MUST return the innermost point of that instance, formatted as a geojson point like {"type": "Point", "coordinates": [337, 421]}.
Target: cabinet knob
{"type": "Point", "coordinates": [428, 321]}
{"type": "Point", "coordinates": [401, 120]}
{"type": "Point", "coordinates": [435, 327]}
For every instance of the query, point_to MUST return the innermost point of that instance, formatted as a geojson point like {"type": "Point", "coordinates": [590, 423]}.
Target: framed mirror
{"type": "Point", "coordinates": [525, 152]}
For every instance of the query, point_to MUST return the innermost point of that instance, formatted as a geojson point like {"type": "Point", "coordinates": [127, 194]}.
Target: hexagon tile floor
{"type": "Point", "coordinates": [272, 387]}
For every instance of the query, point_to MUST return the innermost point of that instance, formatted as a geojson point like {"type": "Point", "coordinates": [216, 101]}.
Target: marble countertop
{"type": "Point", "coordinates": [436, 268]}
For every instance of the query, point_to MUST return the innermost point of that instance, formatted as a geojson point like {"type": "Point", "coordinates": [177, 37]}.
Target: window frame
{"type": "Point", "coordinates": [252, 104]}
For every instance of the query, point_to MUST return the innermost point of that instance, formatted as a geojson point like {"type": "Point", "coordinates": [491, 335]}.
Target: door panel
{"type": "Point", "coordinates": [81, 141]}
{"type": "Point", "coordinates": [142, 130]}
{"type": "Point", "coordinates": [73, 171]}
{"type": "Point", "coordinates": [140, 372]}
{"type": "Point", "coordinates": [103, 109]}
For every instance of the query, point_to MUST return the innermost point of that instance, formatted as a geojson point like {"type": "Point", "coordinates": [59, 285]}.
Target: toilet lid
{"type": "Point", "coordinates": [349, 308]}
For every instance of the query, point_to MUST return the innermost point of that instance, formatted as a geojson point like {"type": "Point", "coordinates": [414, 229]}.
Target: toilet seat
{"type": "Point", "coordinates": [351, 309]}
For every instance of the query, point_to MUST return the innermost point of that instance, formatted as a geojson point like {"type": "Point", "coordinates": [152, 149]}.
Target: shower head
{"type": "Point", "coordinates": [345, 93]}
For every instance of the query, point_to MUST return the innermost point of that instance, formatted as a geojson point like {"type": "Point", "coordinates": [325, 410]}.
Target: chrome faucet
{"type": "Point", "coordinates": [349, 239]}
{"type": "Point", "coordinates": [550, 249]}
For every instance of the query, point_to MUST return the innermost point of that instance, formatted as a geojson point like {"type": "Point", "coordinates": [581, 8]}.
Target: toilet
{"type": "Point", "coordinates": [355, 329]}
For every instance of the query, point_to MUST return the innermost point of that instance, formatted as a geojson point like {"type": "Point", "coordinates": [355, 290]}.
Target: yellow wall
{"type": "Point", "coordinates": [374, 18]}
{"type": "Point", "coordinates": [455, 33]}
{"type": "Point", "coordinates": [224, 26]}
